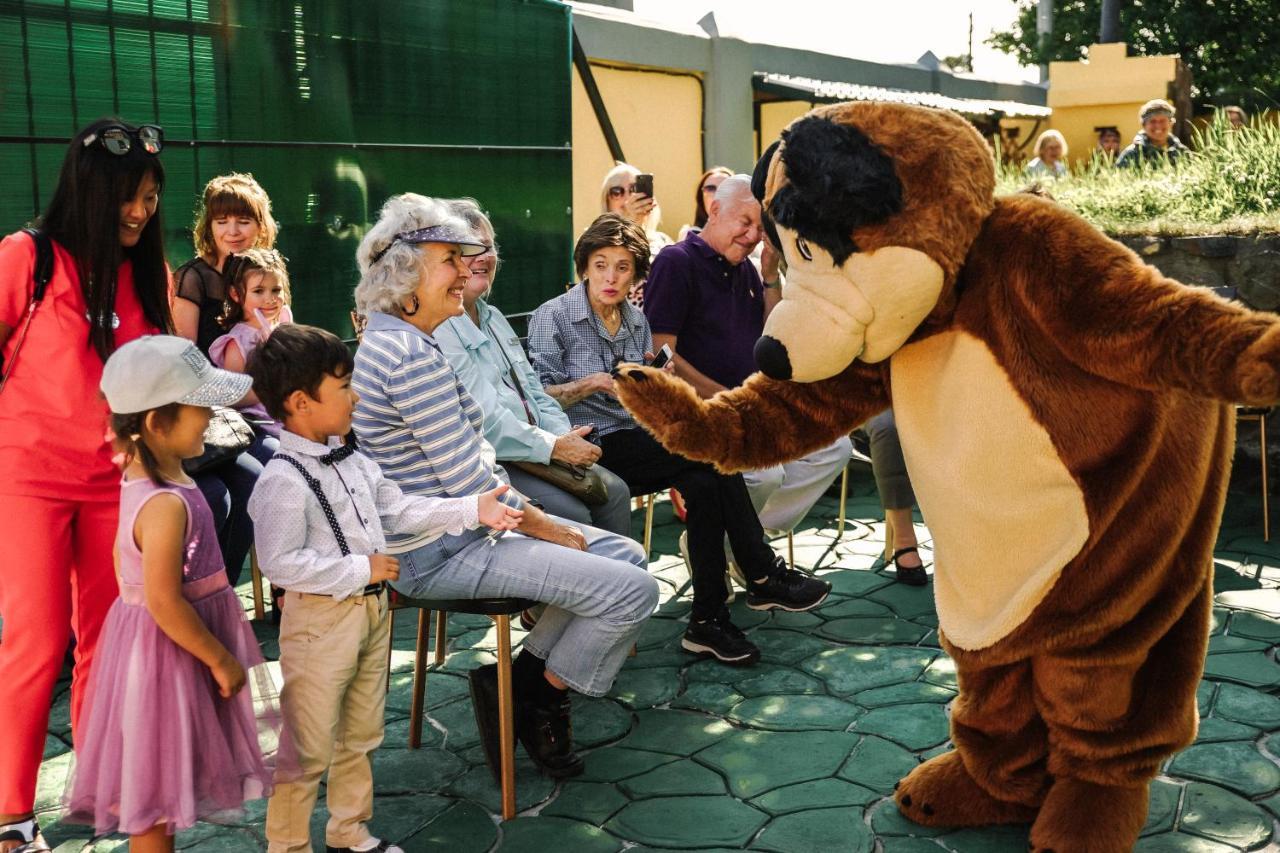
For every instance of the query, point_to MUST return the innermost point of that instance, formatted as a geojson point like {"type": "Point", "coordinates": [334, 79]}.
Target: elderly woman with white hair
{"type": "Point", "coordinates": [422, 427]}
{"type": "Point", "coordinates": [1051, 156]}
{"type": "Point", "coordinates": [527, 428]}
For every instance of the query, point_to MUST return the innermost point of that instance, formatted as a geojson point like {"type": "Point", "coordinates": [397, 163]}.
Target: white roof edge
{"type": "Point", "coordinates": [858, 92]}
{"type": "Point", "coordinates": [622, 16]}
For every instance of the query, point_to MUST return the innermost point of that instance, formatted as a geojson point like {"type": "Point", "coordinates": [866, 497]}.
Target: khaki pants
{"type": "Point", "coordinates": [333, 655]}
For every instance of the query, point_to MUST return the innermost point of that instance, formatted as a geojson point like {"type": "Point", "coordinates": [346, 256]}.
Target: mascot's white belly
{"type": "Point", "coordinates": [1005, 513]}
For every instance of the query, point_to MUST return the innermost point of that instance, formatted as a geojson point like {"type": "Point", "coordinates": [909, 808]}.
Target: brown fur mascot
{"type": "Point", "coordinates": [1063, 409]}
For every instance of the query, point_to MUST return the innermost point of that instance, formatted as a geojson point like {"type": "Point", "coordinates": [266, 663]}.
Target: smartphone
{"type": "Point", "coordinates": [663, 356]}
{"type": "Point", "coordinates": [644, 185]}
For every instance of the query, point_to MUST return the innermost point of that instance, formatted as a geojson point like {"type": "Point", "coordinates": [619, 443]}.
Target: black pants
{"type": "Point", "coordinates": [717, 504]}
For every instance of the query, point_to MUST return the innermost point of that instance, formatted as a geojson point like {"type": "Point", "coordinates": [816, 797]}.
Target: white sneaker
{"type": "Point", "coordinates": [729, 594]}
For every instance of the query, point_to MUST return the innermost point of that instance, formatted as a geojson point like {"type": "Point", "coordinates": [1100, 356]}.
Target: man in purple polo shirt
{"type": "Point", "coordinates": [705, 298]}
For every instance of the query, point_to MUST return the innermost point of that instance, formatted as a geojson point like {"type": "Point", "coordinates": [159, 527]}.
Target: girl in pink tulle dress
{"type": "Point", "coordinates": [170, 733]}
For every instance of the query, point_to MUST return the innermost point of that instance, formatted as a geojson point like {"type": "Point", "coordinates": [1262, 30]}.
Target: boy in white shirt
{"type": "Point", "coordinates": [320, 513]}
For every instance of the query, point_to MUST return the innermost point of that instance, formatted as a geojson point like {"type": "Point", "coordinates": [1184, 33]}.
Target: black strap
{"type": "Point", "coordinates": [318, 491]}
{"type": "Point", "coordinates": [43, 270]}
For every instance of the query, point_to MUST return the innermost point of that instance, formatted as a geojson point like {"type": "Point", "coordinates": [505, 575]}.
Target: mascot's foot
{"type": "Point", "coordinates": [1081, 817]}
{"type": "Point", "coordinates": [941, 792]}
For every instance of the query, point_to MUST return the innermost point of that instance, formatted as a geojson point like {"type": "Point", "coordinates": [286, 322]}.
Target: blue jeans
{"type": "Point", "coordinates": [598, 599]}
{"type": "Point", "coordinates": [227, 489]}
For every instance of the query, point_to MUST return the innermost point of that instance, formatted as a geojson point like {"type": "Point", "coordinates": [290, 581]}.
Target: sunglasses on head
{"type": "Point", "coordinates": [118, 140]}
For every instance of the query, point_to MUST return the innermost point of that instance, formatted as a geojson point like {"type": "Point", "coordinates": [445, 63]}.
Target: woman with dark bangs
{"type": "Point", "coordinates": [234, 216]}
{"type": "Point", "coordinates": [60, 492]}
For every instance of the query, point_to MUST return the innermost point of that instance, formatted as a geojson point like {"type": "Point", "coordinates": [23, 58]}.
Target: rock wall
{"type": "Point", "coordinates": [1249, 263]}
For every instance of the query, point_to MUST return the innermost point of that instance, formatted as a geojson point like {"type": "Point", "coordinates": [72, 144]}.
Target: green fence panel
{"type": "Point", "coordinates": [333, 105]}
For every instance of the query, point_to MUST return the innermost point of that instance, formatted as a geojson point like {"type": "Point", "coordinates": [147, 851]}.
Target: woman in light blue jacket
{"type": "Point", "coordinates": [521, 421]}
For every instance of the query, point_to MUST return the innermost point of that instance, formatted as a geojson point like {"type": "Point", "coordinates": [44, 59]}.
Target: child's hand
{"type": "Point", "coordinates": [494, 513]}
{"type": "Point", "coordinates": [230, 676]}
{"type": "Point", "coordinates": [383, 568]}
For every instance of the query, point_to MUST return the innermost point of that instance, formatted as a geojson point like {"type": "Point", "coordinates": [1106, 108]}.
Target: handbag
{"type": "Point", "coordinates": [583, 482]}
{"type": "Point", "coordinates": [227, 436]}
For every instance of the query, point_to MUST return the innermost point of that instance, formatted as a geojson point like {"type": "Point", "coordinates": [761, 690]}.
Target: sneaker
{"type": "Point", "coordinates": [721, 639]}
{"type": "Point", "coordinates": [26, 831]}
{"type": "Point", "coordinates": [729, 594]}
{"type": "Point", "coordinates": [381, 847]}
{"type": "Point", "coordinates": [787, 589]}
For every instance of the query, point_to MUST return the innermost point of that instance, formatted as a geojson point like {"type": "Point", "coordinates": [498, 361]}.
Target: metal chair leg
{"type": "Point", "coordinates": [648, 524]}
{"type": "Point", "coordinates": [442, 635]}
{"type": "Point", "coordinates": [416, 706]}
{"type": "Point", "coordinates": [391, 646]}
{"type": "Point", "coordinates": [791, 549]}
{"type": "Point", "coordinates": [506, 718]}
{"type": "Point", "coordinates": [255, 580]}
{"type": "Point", "coordinates": [844, 493]}
{"type": "Point", "coordinates": [1266, 497]}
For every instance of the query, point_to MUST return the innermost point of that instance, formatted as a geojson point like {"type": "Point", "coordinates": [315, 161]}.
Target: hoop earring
{"type": "Point", "coordinates": [406, 312]}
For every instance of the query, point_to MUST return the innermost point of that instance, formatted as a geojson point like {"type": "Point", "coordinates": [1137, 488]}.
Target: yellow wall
{"type": "Point", "coordinates": [658, 120]}
{"type": "Point", "coordinates": [1108, 88]}
{"type": "Point", "coordinates": [774, 118]}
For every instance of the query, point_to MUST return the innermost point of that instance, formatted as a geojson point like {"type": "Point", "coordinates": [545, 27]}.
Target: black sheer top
{"type": "Point", "coordinates": [196, 281]}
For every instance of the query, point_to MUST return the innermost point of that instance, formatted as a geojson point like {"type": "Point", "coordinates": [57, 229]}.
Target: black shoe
{"type": "Point", "coordinates": [26, 831]}
{"type": "Point", "coordinates": [383, 847]}
{"type": "Point", "coordinates": [787, 589]}
{"type": "Point", "coordinates": [484, 704]}
{"type": "Point", "coordinates": [911, 575]}
{"type": "Point", "coordinates": [547, 736]}
{"type": "Point", "coordinates": [721, 639]}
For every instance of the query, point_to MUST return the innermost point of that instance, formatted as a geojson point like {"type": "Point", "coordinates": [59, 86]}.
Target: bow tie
{"type": "Point", "coordinates": [337, 454]}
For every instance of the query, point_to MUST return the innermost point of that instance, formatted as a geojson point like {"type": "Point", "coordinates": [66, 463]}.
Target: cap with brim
{"type": "Point", "coordinates": [157, 370]}
{"type": "Point", "coordinates": [438, 234]}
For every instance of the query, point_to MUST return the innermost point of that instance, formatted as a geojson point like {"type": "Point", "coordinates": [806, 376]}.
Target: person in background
{"type": "Point", "coordinates": [257, 302]}
{"type": "Point", "coordinates": [521, 421]}
{"type": "Point", "coordinates": [1108, 143]}
{"type": "Point", "coordinates": [235, 215]}
{"type": "Point", "coordinates": [171, 735]}
{"type": "Point", "coordinates": [1237, 118]}
{"type": "Point", "coordinates": [1155, 144]}
{"type": "Point", "coordinates": [896, 496]}
{"type": "Point", "coordinates": [618, 195]}
{"type": "Point", "coordinates": [1051, 156]}
{"type": "Point", "coordinates": [708, 303]}
{"type": "Point", "coordinates": [576, 341]}
{"type": "Point", "coordinates": [60, 491]}
{"type": "Point", "coordinates": [702, 194]}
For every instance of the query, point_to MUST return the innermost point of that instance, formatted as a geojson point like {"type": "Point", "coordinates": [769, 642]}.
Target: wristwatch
{"type": "Point", "coordinates": [774, 285]}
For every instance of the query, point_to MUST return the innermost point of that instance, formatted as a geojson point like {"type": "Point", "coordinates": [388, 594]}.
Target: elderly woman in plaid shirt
{"type": "Point", "coordinates": [417, 421]}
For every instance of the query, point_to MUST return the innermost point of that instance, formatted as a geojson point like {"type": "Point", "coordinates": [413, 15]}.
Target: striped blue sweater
{"type": "Point", "coordinates": [415, 419]}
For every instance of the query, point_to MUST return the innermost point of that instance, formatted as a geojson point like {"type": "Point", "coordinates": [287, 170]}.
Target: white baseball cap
{"type": "Point", "coordinates": [157, 370]}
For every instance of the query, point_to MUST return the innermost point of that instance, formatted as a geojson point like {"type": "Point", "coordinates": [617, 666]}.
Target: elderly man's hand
{"type": "Point", "coordinates": [573, 447]}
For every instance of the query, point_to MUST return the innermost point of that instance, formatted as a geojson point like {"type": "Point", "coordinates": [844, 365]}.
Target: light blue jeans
{"type": "Point", "coordinates": [598, 599]}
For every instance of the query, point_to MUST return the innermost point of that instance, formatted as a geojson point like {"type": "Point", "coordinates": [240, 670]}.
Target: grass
{"type": "Point", "coordinates": [1229, 185]}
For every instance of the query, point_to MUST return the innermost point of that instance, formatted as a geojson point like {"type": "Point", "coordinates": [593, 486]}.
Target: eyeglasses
{"type": "Point", "coordinates": [619, 192]}
{"type": "Point", "coordinates": [710, 188]}
{"type": "Point", "coordinates": [117, 139]}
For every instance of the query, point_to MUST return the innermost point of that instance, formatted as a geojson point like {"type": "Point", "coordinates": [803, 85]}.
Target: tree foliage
{"type": "Point", "coordinates": [1232, 47]}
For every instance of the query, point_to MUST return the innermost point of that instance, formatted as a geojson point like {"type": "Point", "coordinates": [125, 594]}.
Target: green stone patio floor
{"type": "Point", "coordinates": [798, 753]}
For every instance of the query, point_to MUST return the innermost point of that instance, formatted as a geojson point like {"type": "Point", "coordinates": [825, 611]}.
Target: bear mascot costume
{"type": "Point", "coordinates": [1064, 412]}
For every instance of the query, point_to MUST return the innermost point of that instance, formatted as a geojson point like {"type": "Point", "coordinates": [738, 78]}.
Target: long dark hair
{"type": "Point", "coordinates": [84, 216]}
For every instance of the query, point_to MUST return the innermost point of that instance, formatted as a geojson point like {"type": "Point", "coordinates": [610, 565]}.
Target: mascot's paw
{"type": "Point", "coordinates": [670, 409]}
{"type": "Point", "coordinates": [940, 792]}
{"type": "Point", "coordinates": [1258, 371]}
{"type": "Point", "coordinates": [1080, 817]}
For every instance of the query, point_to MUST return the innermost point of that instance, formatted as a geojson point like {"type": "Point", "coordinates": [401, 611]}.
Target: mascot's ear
{"type": "Point", "coordinates": [837, 180]}
{"type": "Point", "coordinates": [758, 179]}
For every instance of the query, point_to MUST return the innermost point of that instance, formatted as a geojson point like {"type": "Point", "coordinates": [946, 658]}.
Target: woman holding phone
{"type": "Point", "coordinates": [576, 341]}
{"type": "Point", "coordinates": [628, 192]}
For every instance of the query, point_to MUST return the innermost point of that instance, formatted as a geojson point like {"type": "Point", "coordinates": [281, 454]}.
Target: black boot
{"type": "Point", "coordinates": [484, 704]}
{"type": "Point", "coordinates": [544, 728]}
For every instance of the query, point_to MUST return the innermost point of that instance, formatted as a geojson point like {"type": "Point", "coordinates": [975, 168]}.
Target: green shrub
{"type": "Point", "coordinates": [1229, 184]}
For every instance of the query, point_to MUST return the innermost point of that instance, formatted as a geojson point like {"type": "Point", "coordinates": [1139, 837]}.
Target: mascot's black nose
{"type": "Point", "coordinates": [771, 358]}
